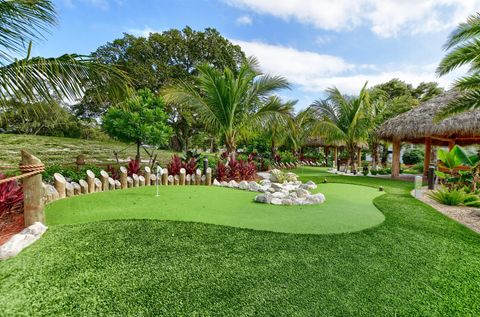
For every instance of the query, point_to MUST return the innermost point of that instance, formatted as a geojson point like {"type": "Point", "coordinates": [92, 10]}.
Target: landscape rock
{"type": "Point", "coordinates": [22, 240]}
{"type": "Point", "coordinates": [232, 184]}
{"type": "Point", "coordinates": [215, 182]}
{"type": "Point", "coordinates": [243, 185]}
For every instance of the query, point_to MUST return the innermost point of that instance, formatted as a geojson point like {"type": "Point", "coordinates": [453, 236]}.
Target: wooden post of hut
{"type": "Point", "coordinates": [335, 157]}
{"type": "Point", "coordinates": [327, 154]}
{"type": "Point", "coordinates": [397, 145]}
{"type": "Point", "coordinates": [359, 159]}
{"type": "Point", "coordinates": [33, 205]}
{"type": "Point", "coordinates": [148, 173]}
{"type": "Point", "coordinates": [91, 181]}
{"type": "Point", "coordinates": [123, 177]}
{"type": "Point", "coordinates": [428, 152]}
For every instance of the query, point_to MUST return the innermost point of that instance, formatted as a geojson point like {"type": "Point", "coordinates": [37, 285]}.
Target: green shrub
{"type": "Point", "coordinates": [412, 156]}
{"type": "Point", "coordinates": [287, 157]}
{"type": "Point", "coordinates": [374, 172]}
{"type": "Point", "coordinates": [448, 197]}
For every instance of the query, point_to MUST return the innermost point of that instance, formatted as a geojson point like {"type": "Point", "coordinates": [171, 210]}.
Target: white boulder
{"type": "Point", "coordinates": [22, 240]}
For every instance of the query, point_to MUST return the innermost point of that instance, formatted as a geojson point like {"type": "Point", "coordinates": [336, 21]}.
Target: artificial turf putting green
{"type": "Point", "coordinates": [348, 208]}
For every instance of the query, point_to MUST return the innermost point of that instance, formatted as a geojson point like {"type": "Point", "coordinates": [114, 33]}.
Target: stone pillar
{"type": "Point", "coordinates": [91, 181]}
{"type": "Point", "coordinates": [32, 193]}
{"type": "Point", "coordinates": [129, 182]}
{"type": "Point", "coordinates": [164, 176]}
{"type": "Point", "coordinates": [153, 179]}
{"type": "Point", "coordinates": [69, 190]}
{"type": "Point", "coordinates": [208, 181]}
{"type": "Point", "coordinates": [148, 173]}
{"type": "Point", "coordinates": [188, 179]}
{"type": "Point", "coordinates": [83, 186]}
{"type": "Point", "coordinates": [141, 180]}
{"type": "Point", "coordinates": [182, 176]}
{"type": "Point", "coordinates": [136, 181]}
{"type": "Point", "coordinates": [123, 177]}
{"type": "Point", "coordinates": [176, 180]}
{"type": "Point", "coordinates": [198, 177]}
{"type": "Point", "coordinates": [76, 188]}
{"type": "Point", "coordinates": [98, 185]}
{"type": "Point", "coordinates": [111, 184]}
{"type": "Point", "coordinates": [104, 179]}
{"type": "Point", "coordinates": [60, 185]}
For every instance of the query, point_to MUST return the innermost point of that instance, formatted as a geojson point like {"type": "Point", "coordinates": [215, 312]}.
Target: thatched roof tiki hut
{"type": "Point", "coordinates": [419, 126]}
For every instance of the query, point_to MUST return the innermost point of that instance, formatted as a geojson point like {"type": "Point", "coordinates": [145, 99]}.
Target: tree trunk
{"type": "Point", "coordinates": [137, 158]}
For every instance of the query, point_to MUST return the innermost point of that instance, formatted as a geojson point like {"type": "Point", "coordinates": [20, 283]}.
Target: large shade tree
{"type": "Point", "coordinates": [231, 103]}
{"type": "Point", "coordinates": [33, 79]}
{"type": "Point", "coordinates": [344, 120]}
{"type": "Point", "coordinates": [463, 48]}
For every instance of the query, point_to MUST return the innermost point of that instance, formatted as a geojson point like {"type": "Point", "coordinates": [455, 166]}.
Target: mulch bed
{"type": "Point", "coordinates": [10, 224]}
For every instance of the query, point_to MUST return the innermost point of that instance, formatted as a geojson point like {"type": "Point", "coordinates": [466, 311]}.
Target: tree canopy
{"type": "Point", "coordinates": [141, 120]}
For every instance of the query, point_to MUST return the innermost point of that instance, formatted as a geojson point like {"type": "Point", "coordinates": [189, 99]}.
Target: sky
{"type": "Point", "coordinates": [315, 44]}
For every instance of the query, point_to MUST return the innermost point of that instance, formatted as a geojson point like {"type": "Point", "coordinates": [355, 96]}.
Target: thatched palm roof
{"type": "Point", "coordinates": [419, 123]}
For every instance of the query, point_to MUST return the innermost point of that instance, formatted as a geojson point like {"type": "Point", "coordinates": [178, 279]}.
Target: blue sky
{"type": "Point", "coordinates": [314, 43]}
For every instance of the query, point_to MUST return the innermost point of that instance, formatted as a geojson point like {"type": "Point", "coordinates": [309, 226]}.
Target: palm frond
{"type": "Point", "coordinates": [470, 100]}
{"type": "Point", "coordinates": [468, 82]}
{"type": "Point", "coordinates": [67, 77]}
{"type": "Point", "coordinates": [23, 21]}
{"type": "Point", "coordinates": [464, 54]}
{"type": "Point", "coordinates": [465, 31]}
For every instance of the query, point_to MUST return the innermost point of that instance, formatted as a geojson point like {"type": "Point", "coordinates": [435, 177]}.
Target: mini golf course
{"type": "Point", "coordinates": [416, 262]}
{"type": "Point", "coordinates": [348, 208]}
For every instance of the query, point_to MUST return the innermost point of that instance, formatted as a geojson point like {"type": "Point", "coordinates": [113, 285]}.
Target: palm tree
{"type": "Point", "coordinates": [344, 120]}
{"type": "Point", "coordinates": [463, 48]}
{"type": "Point", "coordinates": [232, 103]}
{"type": "Point", "coordinates": [301, 128]}
{"type": "Point", "coordinates": [34, 79]}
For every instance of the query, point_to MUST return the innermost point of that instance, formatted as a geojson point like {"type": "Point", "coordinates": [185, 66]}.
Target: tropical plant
{"type": "Point", "coordinates": [462, 48]}
{"type": "Point", "coordinates": [35, 79]}
{"type": "Point", "coordinates": [300, 129]}
{"type": "Point", "coordinates": [452, 160]}
{"type": "Point", "coordinates": [453, 197]}
{"type": "Point", "coordinates": [141, 119]}
{"type": "Point", "coordinates": [344, 120]}
{"type": "Point", "coordinates": [231, 103]}
{"type": "Point", "coordinates": [11, 196]}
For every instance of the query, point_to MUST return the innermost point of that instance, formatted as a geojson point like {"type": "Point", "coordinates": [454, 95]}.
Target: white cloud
{"type": "Point", "coordinates": [312, 72]}
{"type": "Point", "coordinates": [145, 32]}
{"type": "Point", "coordinates": [244, 20]}
{"type": "Point", "coordinates": [385, 18]}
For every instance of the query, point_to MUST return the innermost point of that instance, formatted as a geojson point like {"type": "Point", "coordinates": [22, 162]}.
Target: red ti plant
{"type": "Point", "coordinates": [11, 196]}
{"type": "Point", "coordinates": [175, 165]}
{"type": "Point", "coordinates": [133, 167]}
{"type": "Point", "coordinates": [221, 172]}
{"type": "Point", "coordinates": [113, 172]}
{"type": "Point", "coordinates": [190, 166]}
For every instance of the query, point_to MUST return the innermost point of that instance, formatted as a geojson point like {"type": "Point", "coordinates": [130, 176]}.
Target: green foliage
{"type": "Point", "coordinates": [462, 48]}
{"type": "Point", "coordinates": [412, 156]}
{"type": "Point", "coordinates": [231, 103]}
{"type": "Point", "coordinates": [455, 197]}
{"type": "Point", "coordinates": [287, 157]}
{"type": "Point", "coordinates": [141, 120]}
{"type": "Point", "coordinates": [71, 173]}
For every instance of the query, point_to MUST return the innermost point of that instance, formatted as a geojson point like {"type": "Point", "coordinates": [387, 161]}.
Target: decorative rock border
{"type": "Point", "coordinates": [287, 193]}
{"type": "Point", "coordinates": [22, 240]}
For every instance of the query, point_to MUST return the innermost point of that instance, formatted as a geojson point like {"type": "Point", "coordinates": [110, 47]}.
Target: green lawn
{"type": "Point", "coordinates": [348, 208]}
{"type": "Point", "coordinates": [416, 263]}
{"type": "Point", "coordinates": [57, 150]}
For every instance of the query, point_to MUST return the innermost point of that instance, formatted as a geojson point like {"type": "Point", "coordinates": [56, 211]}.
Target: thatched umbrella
{"type": "Point", "coordinates": [419, 125]}
{"type": "Point", "coordinates": [320, 142]}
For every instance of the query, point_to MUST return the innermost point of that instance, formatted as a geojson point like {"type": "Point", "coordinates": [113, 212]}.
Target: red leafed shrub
{"type": "Point", "coordinates": [175, 165]}
{"type": "Point", "coordinates": [224, 155]}
{"type": "Point", "coordinates": [221, 172]}
{"type": "Point", "coordinates": [237, 170]}
{"type": "Point", "coordinates": [113, 172]}
{"type": "Point", "coordinates": [133, 167]}
{"type": "Point", "coordinates": [11, 196]}
{"type": "Point", "coordinates": [190, 166]}
{"type": "Point", "coordinates": [277, 158]}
